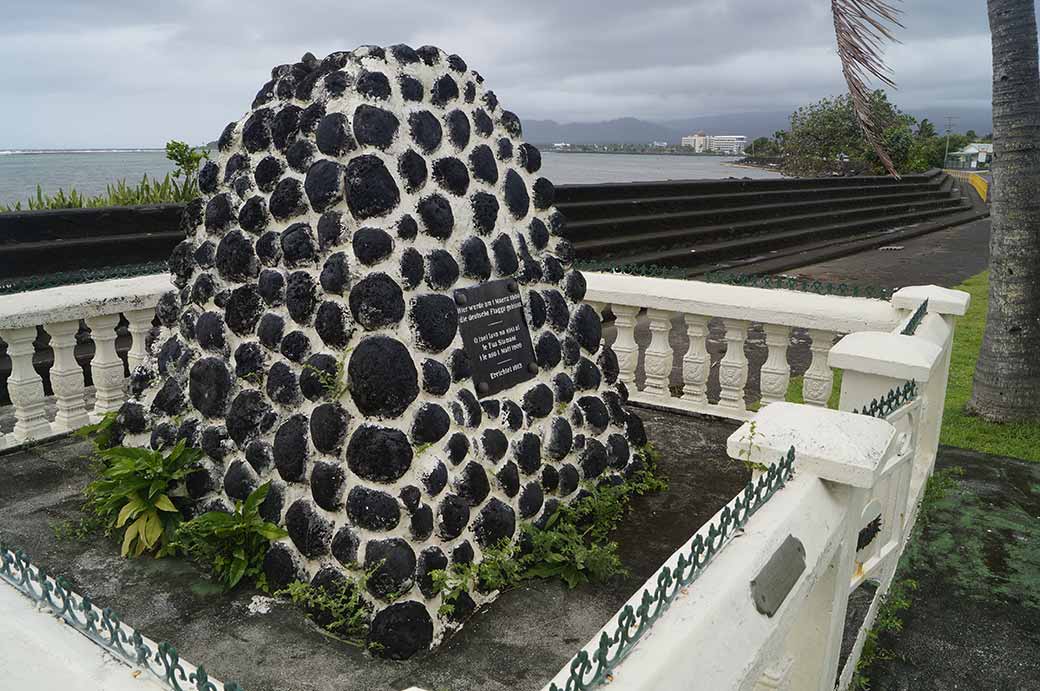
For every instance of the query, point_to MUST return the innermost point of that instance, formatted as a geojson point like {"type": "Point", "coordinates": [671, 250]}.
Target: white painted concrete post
{"type": "Point", "coordinates": [106, 368]}
{"type": "Point", "coordinates": [848, 452]}
{"type": "Point", "coordinates": [658, 358]}
{"type": "Point", "coordinates": [776, 373]}
{"type": "Point", "coordinates": [733, 367]}
{"type": "Point", "coordinates": [625, 346]}
{"type": "Point", "coordinates": [25, 386]}
{"type": "Point", "coordinates": [140, 325]}
{"type": "Point", "coordinates": [67, 377]}
{"type": "Point", "coordinates": [696, 361]}
{"type": "Point", "coordinates": [819, 379]}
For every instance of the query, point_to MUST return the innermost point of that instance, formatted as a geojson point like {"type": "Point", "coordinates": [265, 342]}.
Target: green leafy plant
{"type": "Point", "coordinates": [339, 608]}
{"type": "Point", "coordinates": [498, 569]}
{"type": "Point", "coordinates": [132, 495]}
{"type": "Point", "coordinates": [187, 158]}
{"type": "Point", "coordinates": [104, 433]}
{"type": "Point", "coordinates": [232, 545]}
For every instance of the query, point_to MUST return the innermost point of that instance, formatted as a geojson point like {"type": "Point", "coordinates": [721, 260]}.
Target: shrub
{"type": "Point", "coordinates": [339, 608]}
{"type": "Point", "coordinates": [133, 492]}
{"type": "Point", "coordinates": [232, 545]}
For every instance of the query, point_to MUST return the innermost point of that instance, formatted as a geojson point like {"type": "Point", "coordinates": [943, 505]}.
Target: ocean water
{"type": "Point", "coordinates": [90, 171]}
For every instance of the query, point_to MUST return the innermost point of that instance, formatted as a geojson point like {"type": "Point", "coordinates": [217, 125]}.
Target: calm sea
{"type": "Point", "coordinates": [89, 172]}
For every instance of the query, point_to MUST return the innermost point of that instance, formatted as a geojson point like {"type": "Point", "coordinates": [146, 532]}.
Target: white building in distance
{"type": "Point", "coordinates": [718, 143]}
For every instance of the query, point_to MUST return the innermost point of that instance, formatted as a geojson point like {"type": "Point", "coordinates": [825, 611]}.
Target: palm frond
{"type": "Point", "coordinates": [861, 28]}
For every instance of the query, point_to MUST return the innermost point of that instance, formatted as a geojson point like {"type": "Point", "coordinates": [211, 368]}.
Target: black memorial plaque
{"type": "Point", "coordinates": [495, 335]}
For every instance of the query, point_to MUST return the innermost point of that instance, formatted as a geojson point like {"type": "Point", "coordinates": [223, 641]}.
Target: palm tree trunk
{"type": "Point", "coordinates": [1007, 375]}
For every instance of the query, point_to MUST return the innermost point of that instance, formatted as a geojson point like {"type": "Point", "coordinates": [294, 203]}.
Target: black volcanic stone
{"type": "Point", "coordinates": [301, 296]}
{"type": "Point", "coordinates": [504, 149]}
{"type": "Point", "coordinates": [253, 215]}
{"type": "Point", "coordinates": [459, 365]}
{"type": "Point", "coordinates": [615, 406]}
{"type": "Point", "coordinates": [574, 286]}
{"type": "Point", "coordinates": [538, 401]}
{"type": "Point", "coordinates": [173, 356]}
{"type": "Point", "coordinates": [208, 177]}
{"type": "Point", "coordinates": [290, 448]}
{"type": "Point", "coordinates": [370, 188]}
{"type": "Point", "coordinates": [374, 126]}
{"type": "Point", "coordinates": [425, 129]}
{"type": "Point", "coordinates": [586, 327]}
{"type": "Point", "coordinates": [235, 259]}
{"type": "Point", "coordinates": [240, 481]}
{"type": "Point", "coordinates": [285, 126]}
{"type": "Point", "coordinates": [407, 228]}
{"type": "Point", "coordinates": [544, 193]}
{"type": "Point", "coordinates": [220, 211]}
{"type": "Point", "coordinates": [140, 379]}
{"type": "Point", "coordinates": [430, 425]}
{"type": "Point", "coordinates": [421, 524]}
{"type": "Point", "coordinates": [556, 311]}
{"type": "Point", "coordinates": [492, 408]}
{"type": "Point", "coordinates": [531, 499]}
{"type": "Point", "coordinates": [511, 123]}
{"type": "Point", "coordinates": [472, 484]}
{"type": "Point", "coordinates": [372, 245]}
{"type": "Point", "coordinates": [282, 385]}
{"type": "Point", "coordinates": [411, 88]}
{"type": "Point", "coordinates": [373, 84]}
{"type": "Point", "coordinates": [563, 387]}
{"type": "Point", "coordinates": [411, 268]}
{"type": "Point", "coordinates": [471, 408]}
{"type": "Point", "coordinates": [209, 385]}
{"type": "Point", "coordinates": [527, 451]}
{"type": "Point", "coordinates": [379, 454]}
{"type": "Point", "coordinates": [271, 330]}
{"type": "Point", "coordinates": [482, 123]}
{"type": "Point", "coordinates": [243, 309]}
{"type": "Point", "coordinates": [635, 431]}
{"type": "Point", "coordinates": [199, 483]}
{"type": "Point", "coordinates": [586, 375]}
{"type": "Point", "coordinates": [571, 350]}
{"type": "Point", "coordinates": [457, 448]}
{"type": "Point", "coordinates": [282, 567]}
{"type": "Point", "coordinates": [404, 54]}
{"type": "Point", "coordinates": [330, 229]}
{"type": "Point", "coordinates": [335, 274]}
{"type": "Point", "coordinates": [494, 444]}
{"type": "Point", "coordinates": [260, 455]}
{"type": "Point", "coordinates": [287, 200]}
{"type": "Point", "coordinates": [345, 546]}
{"type": "Point", "coordinates": [430, 559]}
{"type": "Point", "coordinates": [517, 200]}
{"type": "Point", "coordinates": [445, 89]}
{"type": "Point", "coordinates": [267, 173]}
{"type": "Point", "coordinates": [529, 157]}
{"type": "Point", "coordinates": [535, 309]}
{"type": "Point", "coordinates": [401, 630]}
{"type": "Point", "coordinates": [482, 162]}
{"type": "Point", "coordinates": [617, 451]}
{"type": "Point", "coordinates": [308, 529]}
{"type": "Point", "coordinates": [463, 553]}
{"type": "Point", "coordinates": [169, 307]}
{"type": "Point", "coordinates": [390, 564]}
{"type": "Point", "coordinates": [456, 63]}
{"type": "Point", "coordinates": [311, 116]}
{"type": "Point", "coordinates": [377, 301]}
{"type": "Point", "coordinates": [318, 376]}
{"type": "Point", "coordinates": [412, 168]}
{"type": "Point", "coordinates": [333, 135]}
{"type": "Point", "coordinates": [452, 175]}
{"type": "Point", "coordinates": [336, 83]}
{"type": "Point", "coordinates": [435, 377]}
{"type": "Point", "coordinates": [333, 324]}
{"type": "Point", "coordinates": [509, 478]}
{"type": "Point", "coordinates": [382, 377]}
{"type": "Point", "coordinates": [300, 155]}
{"type": "Point", "coordinates": [475, 261]}
{"type": "Point", "coordinates": [410, 495]}
{"type": "Point", "coordinates": [538, 233]}
{"type": "Point", "coordinates": [192, 216]}
{"type": "Point", "coordinates": [452, 516]}
{"type": "Point", "coordinates": [435, 212]}
{"type": "Point", "coordinates": [595, 411]}
{"type": "Point", "coordinates": [550, 478]}
{"type": "Point", "coordinates": [485, 212]}
{"type": "Point", "coordinates": [512, 415]}
{"type": "Point", "coordinates": [372, 509]}
{"type": "Point", "coordinates": [324, 184]}
{"type": "Point", "coordinates": [214, 442]}
{"type": "Point", "coordinates": [431, 55]}
{"type": "Point", "coordinates": [552, 269]}
{"type": "Point", "coordinates": [256, 132]}
{"type": "Point", "coordinates": [227, 136]}
{"type": "Point", "coordinates": [329, 423]}
{"type": "Point", "coordinates": [435, 480]}
{"type": "Point", "coordinates": [441, 270]}
{"type": "Point", "coordinates": [269, 249]}
{"type": "Point", "coordinates": [299, 247]}
{"type": "Point", "coordinates": [458, 129]}
{"type": "Point", "coordinates": [560, 439]}
{"type": "Point", "coordinates": [169, 399]}
{"type": "Point", "coordinates": [327, 485]}
{"type": "Point", "coordinates": [496, 522]}
{"type": "Point", "coordinates": [568, 479]}
{"type": "Point", "coordinates": [249, 361]}
{"type": "Point", "coordinates": [247, 411]}
{"type": "Point", "coordinates": [593, 458]}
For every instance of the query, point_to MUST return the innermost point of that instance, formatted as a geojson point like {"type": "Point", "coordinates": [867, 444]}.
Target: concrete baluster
{"type": "Point", "coordinates": [776, 373]}
{"type": "Point", "coordinates": [67, 377]}
{"type": "Point", "coordinates": [696, 361]}
{"type": "Point", "coordinates": [106, 368]}
{"type": "Point", "coordinates": [25, 386]}
{"type": "Point", "coordinates": [625, 346]}
{"type": "Point", "coordinates": [140, 325]}
{"type": "Point", "coordinates": [819, 379]}
{"type": "Point", "coordinates": [733, 368]}
{"type": "Point", "coordinates": [659, 356]}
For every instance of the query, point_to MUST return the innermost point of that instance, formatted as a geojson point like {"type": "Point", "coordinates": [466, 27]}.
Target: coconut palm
{"type": "Point", "coordinates": [1007, 374]}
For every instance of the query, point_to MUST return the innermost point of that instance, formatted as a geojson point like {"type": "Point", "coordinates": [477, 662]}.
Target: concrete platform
{"type": "Point", "coordinates": [519, 642]}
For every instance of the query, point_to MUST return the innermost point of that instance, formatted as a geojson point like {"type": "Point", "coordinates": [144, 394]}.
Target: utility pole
{"type": "Point", "coordinates": [951, 120]}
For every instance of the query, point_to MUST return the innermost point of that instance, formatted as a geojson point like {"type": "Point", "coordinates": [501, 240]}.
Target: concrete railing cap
{"type": "Point", "coordinates": [886, 354]}
{"type": "Point", "coordinates": [940, 300]}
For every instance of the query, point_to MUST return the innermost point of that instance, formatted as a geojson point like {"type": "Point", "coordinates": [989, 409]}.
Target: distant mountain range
{"type": "Point", "coordinates": [752, 125]}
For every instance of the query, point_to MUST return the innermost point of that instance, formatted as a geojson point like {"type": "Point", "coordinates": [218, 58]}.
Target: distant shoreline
{"type": "Point", "coordinates": [550, 150]}
{"type": "Point", "coordinates": [36, 152]}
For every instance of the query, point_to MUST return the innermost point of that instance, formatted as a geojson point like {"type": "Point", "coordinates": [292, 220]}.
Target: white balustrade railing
{"type": "Point", "coordinates": [60, 311]}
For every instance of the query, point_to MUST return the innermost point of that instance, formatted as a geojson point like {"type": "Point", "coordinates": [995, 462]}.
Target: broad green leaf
{"type": "Point", "coordinates": [128, 537]}
{"type": "Point", "coordinates": [163, 503]}
{"type": "Point", "coordinates": [238, 569]}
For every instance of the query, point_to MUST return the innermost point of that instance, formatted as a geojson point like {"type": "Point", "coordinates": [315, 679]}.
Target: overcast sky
{"type": "Point", "coordinates": [125, 73]}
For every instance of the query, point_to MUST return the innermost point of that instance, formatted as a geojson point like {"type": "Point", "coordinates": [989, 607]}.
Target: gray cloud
{"type": "Point", "coordinates": [118, 73]}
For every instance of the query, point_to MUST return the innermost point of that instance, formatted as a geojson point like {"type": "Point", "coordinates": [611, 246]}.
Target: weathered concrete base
{"type": "Point", "coordinates": [517, 643]}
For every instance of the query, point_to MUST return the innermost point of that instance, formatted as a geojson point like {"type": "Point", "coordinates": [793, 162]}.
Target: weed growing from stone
{"type": "Point", "coordinates": [104, 433]}
{"type": "Point", "coordinates": [132, 491]}
{"type": "Point", "coordinates": [232, 545]}
{"type": "Point", "coordinates": [339, 608]}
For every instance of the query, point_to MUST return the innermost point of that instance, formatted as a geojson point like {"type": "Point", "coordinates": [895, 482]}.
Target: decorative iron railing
{"type": "Point", "coordinates": [890, 402]}
{"type": "Point", "coordinates": [803, 285]}
{"type": "Point", "coordinates": [911, 326]}
{"type": "Point", "coordinates": [24, 284]}
{"type": "Point", "coordinates": [103, 626]}
{"type": "Point", "coordinates": [588, 671]}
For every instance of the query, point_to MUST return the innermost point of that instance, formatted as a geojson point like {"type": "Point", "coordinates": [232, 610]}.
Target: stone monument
{"type": "Point", "coordinates": [376, 313]}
